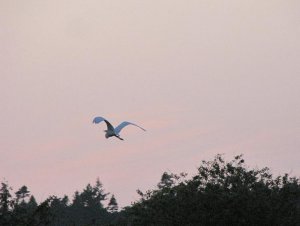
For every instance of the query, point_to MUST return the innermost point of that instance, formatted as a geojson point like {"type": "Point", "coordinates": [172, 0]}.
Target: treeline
{"type": "Point", "coordinates": [220, 193]}
{"type": "Point", "coordinates": [86, 208]}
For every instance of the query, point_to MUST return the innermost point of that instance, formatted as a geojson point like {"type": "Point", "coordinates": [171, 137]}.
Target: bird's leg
{"type": "Point", "coordinates": [119, 137]}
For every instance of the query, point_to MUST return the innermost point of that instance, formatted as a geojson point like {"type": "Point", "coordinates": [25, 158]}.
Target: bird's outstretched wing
{"type": "Point", "coordinates": [100, 119]}
{"type": "Point", "coordinates": [123, 124]}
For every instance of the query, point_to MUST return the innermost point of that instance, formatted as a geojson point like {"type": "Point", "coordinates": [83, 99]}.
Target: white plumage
{"type": "Point", "coordinates": [111, 131]}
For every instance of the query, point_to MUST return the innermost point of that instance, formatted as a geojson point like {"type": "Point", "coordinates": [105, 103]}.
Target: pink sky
{"type": "Point", "coordinates": [203, 77]}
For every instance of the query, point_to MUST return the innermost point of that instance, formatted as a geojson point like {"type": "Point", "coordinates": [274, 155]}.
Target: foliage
{"type": "Point", "coordinates": [220, 193]}
{"type": "Point", "coordinates": [86, 208]}
{"type": "Point", "coordinates": [112, 205]}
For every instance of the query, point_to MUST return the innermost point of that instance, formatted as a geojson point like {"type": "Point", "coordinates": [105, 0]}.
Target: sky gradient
{"type": "Point", "coordinates": [202, 77]}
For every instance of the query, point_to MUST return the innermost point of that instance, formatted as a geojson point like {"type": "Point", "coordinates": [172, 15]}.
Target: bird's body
{"type": "Point", "coordinates": [111, 131]}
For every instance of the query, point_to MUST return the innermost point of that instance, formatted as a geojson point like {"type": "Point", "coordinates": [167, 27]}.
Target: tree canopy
{"type": "Point", "coordinates": [220, 193]}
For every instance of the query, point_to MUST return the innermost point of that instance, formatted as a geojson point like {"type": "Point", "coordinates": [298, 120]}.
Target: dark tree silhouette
{"type": "Point", "coordinates": [21, 194]}
{"type": "Point", "coordinates": [220, 193]}
{"type": "Point", "coordinates": [87, 207]}
{"type": "Point", "coordinates": [112, 205]}
{"type": "Point", "coordinates": [5, 203]}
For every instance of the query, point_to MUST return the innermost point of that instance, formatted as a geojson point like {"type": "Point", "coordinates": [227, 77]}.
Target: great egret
{"type": "Point", "coordinates": [111, 131]}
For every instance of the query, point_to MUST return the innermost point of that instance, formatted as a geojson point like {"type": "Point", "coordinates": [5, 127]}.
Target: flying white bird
{"type": "Point", "coordinates": [111, 131]}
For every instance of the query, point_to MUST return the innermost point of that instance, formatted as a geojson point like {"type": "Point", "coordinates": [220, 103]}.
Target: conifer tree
{"type": "Point", "coordinates": [21, 194]}
{"type": "Point", "coordinates": [5, 203]}
{"type": "Point", "coordinates": [112, 205]}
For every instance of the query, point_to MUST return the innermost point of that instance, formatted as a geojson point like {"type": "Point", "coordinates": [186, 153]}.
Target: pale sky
{"type": "Point", "coordinates": [202, 76]}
